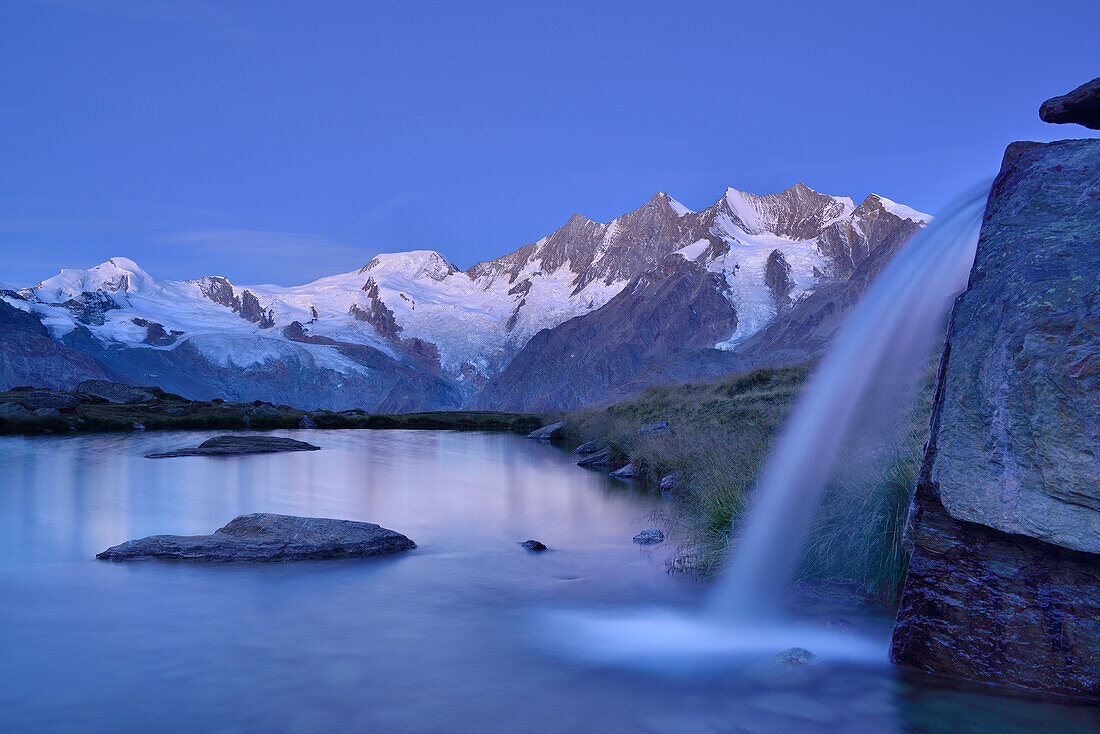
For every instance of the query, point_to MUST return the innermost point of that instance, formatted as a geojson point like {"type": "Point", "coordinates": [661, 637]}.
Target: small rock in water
{"type": "Point", "coordinates": [266, 537]}
{"type": "Point", "coordinates": [796, 656]}
{"type": "Point", "coordinates": [838, 623]}
{"type": "Point", "coordinates": [547, 433]}
{"type": "Point", "coordinates": [649, 536]}
{"type": "Point", "coordinates": [138, 427]}
{"type": "Point", "coordinates": [671, 482]}
{"type": "Point", "coordinates": [533, 545]}
{"type": "Point", "coordinates": [589, 447]}
{"type": "Point", "coordinates": [626, 472]}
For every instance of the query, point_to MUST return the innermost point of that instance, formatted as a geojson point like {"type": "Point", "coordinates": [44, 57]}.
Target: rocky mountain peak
{"type": "Point", "coordinates": [414, 264]}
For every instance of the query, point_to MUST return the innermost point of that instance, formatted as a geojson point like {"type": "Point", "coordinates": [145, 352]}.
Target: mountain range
{"type": "Point", "coordinates": [588, 313]}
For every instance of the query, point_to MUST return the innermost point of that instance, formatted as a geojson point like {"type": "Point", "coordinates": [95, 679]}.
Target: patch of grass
{"type": "Point", "coordinates": [723, 431]}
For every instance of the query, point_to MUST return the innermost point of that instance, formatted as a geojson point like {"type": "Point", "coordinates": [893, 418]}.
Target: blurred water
{"type": "Point", "coordinates": [458, 635]}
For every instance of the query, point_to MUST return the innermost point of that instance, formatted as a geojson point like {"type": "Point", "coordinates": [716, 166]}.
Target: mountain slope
{"type": "Point", "coordinates": [410, 331]}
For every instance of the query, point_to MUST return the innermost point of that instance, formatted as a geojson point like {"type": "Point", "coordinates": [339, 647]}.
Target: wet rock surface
{"type": "Point", "coordinates": [1004, 577]}
{"type": "Point", "coordinates": [234, 445]}
{"type": "Point", "coordinates": [267, 537]}
{"type": "Point", "coordinates": [649, 536]}
{"type": "Point", "coordinates": [547, 433]}
{"type": "Point", "coordinates": [603, 458]}
{"type": "Point", "coordinates": [1081, 106]}
{"type": "Point", "coordinates": [533, 545]}
{"type": "Point", "coordinates": [627, 472]}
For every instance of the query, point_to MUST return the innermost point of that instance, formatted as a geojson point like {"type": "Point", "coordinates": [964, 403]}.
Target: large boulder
{"type": "Point", "coordinates": [1004, 578]}
{"type": "Point", "coordinates": [266, 537]}
{"type": "Point", "coordinates": [547, 433]}
{"type": "Point", "coordinates": [1081, 106]}
{"type": "Point", "coordinates": [233, 445]}
{"type": "Point", "coordinates": [116, 392]}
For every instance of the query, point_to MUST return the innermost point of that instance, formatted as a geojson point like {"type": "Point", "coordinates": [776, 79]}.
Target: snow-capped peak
{"type": "Point", "coordinates": [119, 274]}
{"type": "Point", "coordinates": [901, 210]}
{"type": "Point", "coordinates": [677, 207]}
{"type": "Point", "coordinates": [414, 264]}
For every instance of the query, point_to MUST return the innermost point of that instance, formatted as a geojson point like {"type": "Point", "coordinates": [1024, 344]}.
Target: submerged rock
{"type": "Point", "coordinates": [627, 472]}
{"type": "Point", "coordinates": [796, 656]}
{"type": "Point", "coordinates": [649, 536]}
{"type": "Point", "coordinates": [266, 537]}
{"type": "Point", "coordinates": [231, 445]}
{"type": "Point", "coordinates": [533, 545]}
{"type": "Point", "coordinates": [1004, 575]}
{"type": "Point", "coordinates": [1081, 106]}
{"type": "Point", "coordinates": [547, 432]}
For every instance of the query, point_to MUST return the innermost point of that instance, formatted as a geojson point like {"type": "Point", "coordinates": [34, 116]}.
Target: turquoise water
{"type": "Point", "coordinates": [455, 636]}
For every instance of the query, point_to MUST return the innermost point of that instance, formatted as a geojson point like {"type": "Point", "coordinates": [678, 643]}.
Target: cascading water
{"type": "Point", "coordinates": [881, 348]}
{"type": "Point", "coordinates": [875, 358]}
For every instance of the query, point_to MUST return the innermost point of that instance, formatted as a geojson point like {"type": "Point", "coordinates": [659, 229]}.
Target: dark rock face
{"type": "Point", "coordinates": [1004, 579]}
{"type": "Point", "coordinates": [234, 445]}
{"type": "Point", "coordinates": [533, 545]}
{"type": "Point", "coordinates": [777, 274]}
{"type": "Point", "coordinates": [28, 356]}
{"type": "Point", "coordinates": [676, 307]}
{"type": "Point", "coordinates": [1081, 106]}
{"type": "Point", "coordinates": [265, 537]}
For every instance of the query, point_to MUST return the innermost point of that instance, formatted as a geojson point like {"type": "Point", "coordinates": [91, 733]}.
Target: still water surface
{"type": "Point", "coordinates": [450, 637]}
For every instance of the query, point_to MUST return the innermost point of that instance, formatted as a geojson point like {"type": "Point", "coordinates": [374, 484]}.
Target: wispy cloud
{"type": "Point", "coordinates": [385, 208]}
{"type": "Point", "coordinates": [284, 257]}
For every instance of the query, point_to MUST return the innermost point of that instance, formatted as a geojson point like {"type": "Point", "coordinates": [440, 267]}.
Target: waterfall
{"type": "Point", "coordinates": [880, 349]}
{"type": "Point", "coordinates": [873, 364]}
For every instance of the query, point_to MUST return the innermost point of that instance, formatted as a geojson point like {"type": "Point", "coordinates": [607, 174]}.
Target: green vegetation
{"type": "Point", "coordinates": [723, 431]}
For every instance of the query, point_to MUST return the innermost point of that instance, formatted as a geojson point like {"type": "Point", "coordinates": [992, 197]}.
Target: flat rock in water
{"type": "Point", "coordinates": [796, 656]}
{"type": "Point", "coordinates": [547, 432]}
{"type": "Point", "coordinates": [231, 445]}
{"type": "Point", "coordinates": [266, 537]}
{"type": "Point", "coordinates": [533, 545]}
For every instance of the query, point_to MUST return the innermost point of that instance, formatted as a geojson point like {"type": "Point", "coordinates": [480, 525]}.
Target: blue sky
{"type": "Point", "coordinates": [279, 142]}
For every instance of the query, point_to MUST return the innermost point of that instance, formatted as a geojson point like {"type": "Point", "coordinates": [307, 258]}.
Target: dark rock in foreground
{"type": "Point", "coordinates": [1081, 106]}
{"type": "Point", "coordinates": [1004, 575]}
{"type": "Point", "coordinates": [233, 445]}
{"type": "Point", "coordinates": [266, 537]}
{"type": "Point", "coordinates": [533, 545]}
